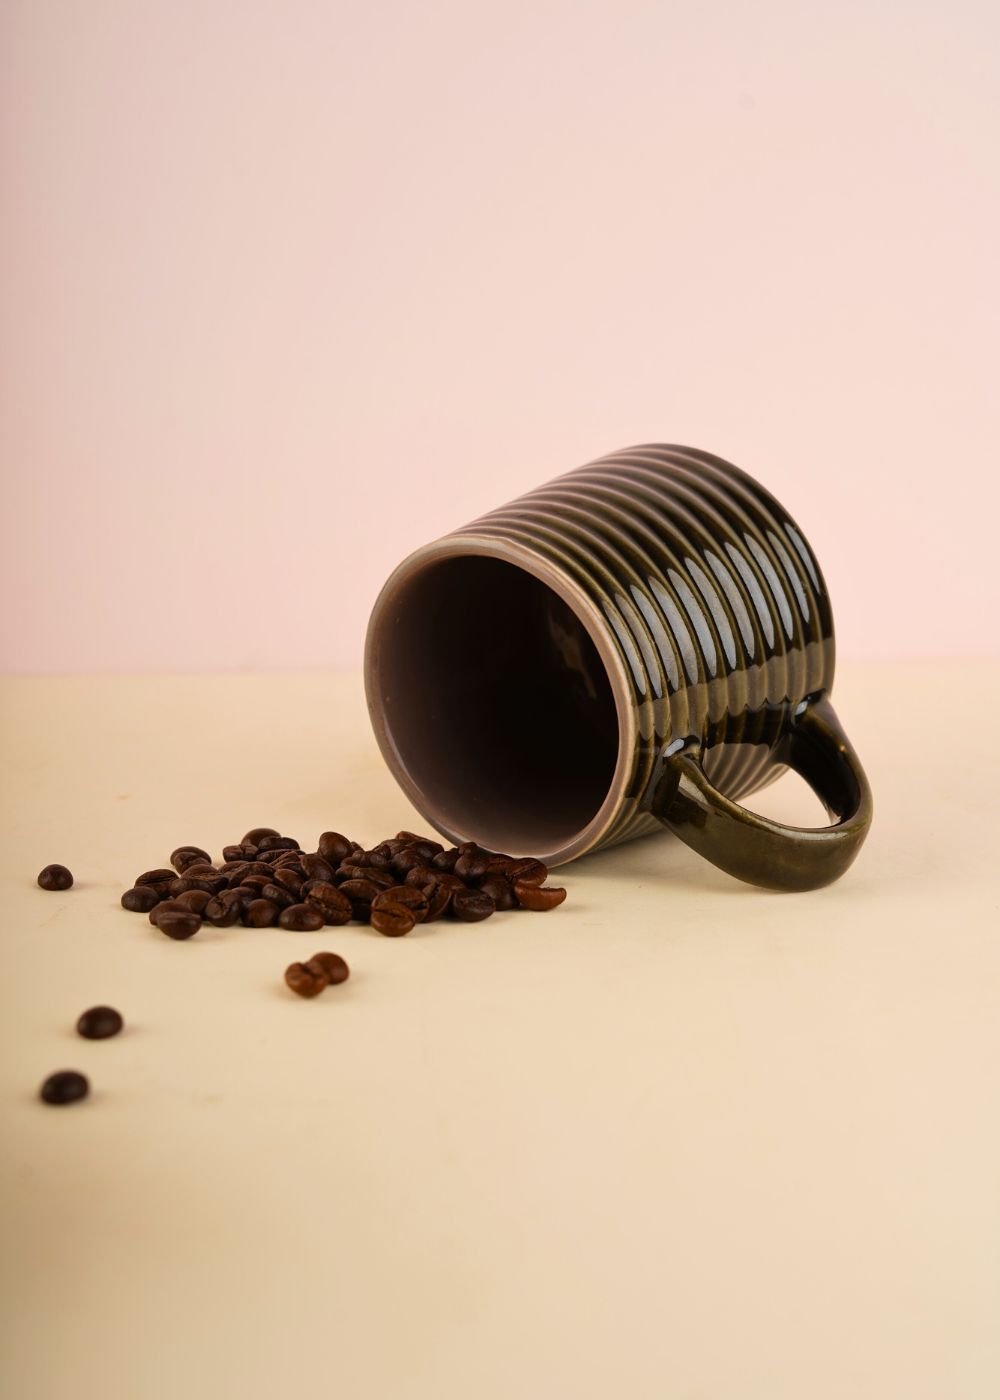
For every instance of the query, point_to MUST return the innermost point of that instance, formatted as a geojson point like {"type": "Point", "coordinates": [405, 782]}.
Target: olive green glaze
{"type": "Point", "coordinates": [711, 619]}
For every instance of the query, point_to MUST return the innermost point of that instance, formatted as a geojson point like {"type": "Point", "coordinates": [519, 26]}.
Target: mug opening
{"type": "Point", "coordinates": [498, 700]}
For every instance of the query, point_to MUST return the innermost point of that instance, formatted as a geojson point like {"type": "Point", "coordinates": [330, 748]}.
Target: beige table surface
{"type": "Point", "coordinates": [679, 1138]}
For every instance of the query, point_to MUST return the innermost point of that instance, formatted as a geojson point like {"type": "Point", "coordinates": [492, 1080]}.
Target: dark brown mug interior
{"type": "Point", "coordinates": [493, 704]}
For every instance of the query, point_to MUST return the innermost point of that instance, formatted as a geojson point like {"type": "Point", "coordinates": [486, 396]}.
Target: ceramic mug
{"type": "Point", "coordinates": [639, 643]}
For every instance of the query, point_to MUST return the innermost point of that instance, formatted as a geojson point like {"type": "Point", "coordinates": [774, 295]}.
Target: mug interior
{"type": "Point", "coordinates": [497, 701]}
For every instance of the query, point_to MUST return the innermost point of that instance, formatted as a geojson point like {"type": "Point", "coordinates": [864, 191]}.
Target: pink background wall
{"type": "Point", "coordinates": [290, 287]}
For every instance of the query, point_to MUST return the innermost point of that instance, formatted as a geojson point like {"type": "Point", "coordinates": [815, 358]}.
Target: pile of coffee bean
{"type": "Point", "coordinates": [267, 878]}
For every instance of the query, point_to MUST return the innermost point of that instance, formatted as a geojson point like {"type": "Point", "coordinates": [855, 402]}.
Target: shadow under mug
{"type": "Point", "coordinates": [640, 642]}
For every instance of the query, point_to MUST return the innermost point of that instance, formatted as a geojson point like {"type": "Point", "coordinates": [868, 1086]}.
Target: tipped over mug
{"type": "Point", "coordinates": [640, 643]}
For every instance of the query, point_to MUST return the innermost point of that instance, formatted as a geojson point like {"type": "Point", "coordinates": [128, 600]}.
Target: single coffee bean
{"type": "Point", "coordinates": [164, 906]}
{"type": "Point", "coordinates": [304, 980]}
{"type": "Point", "coordinates": [66, 1086]}
{"type": "Point", "coordinates": [230, 868]}
{"type": "Point", "coordinates": [234, 852]}
{"type": "Point", "coordinates": [445, 860]}
{"type": "Point", "coordinates": [290, 879]}
{"type": "Point", "coordinates": [426, 848]}
{"type": "Point", "coordinates": [538, 897]}
{"type": "Point", "coordinates": [333, 847]}
{"type": "Point", "coordinates": [409, 838]}
{"type": "Point", "coordinates": [409, 896]}
{"type": "Point", "coordinates": [471, 866]}
{"type": "Point", "coordinates": [528, 872]}
{"type": "Point", "coordinates": [224, 909]}
{"type": "Point", "coordinates": [159, 879]}
{"type": "Point", "coordinates": [316, 868]}
{"type": "Point", "coordinates": [392, 920]}
{"type": "Point", "coordinates": [257, 882]}
{"type": "Point", "coordinates": [472, 905]}
{"type": "Point", "coordinates": [99, 1023]}
{"type": "Point", "coordinates": [140, 899]}
{"type": "Point", "coordinates": [332, 965]}
{"type": "Point", "coordinates": [195, 900]}
{"type": "Point", "coordinates": [201, 870]}
{"type": "Point", "coordinates": [301, 918]}
{"type": "Point", "coordinates": [277, 843]}
{"type": "Point", "coordinates": [499, 890]}
{"type": "Point", "coordinates": [439, 902]}
{"type": "Point", "coordinates": [183, 883]}
{"type": "Point", "coordinates": [257, 834]}
{"type": "Point", "coordinates": [178, 923]}
{"type": "Point", "coordinates": [289, 860]}
{"type": "Point", "coordinates": [376, 860]}
{"type": "Point", "coordinates": [359, 891]}
{"type": "Point", "coordinates": [406, 860]}
{"type": "Point", "coordinates": [278, 895]}
{"type": "Point", "coordinates": [261, 913]}
{"type": "Point", "coordinates": [331, 902]}
{"type": "Point", "coordinates": [188, 855]}
{"type": "Point", "coordinates": [55, 877]}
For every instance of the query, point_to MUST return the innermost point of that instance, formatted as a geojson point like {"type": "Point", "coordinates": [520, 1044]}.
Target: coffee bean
{"type": "Point", "coordinates": [361, 893]}
{"type": "Point", "coordinates": [499, 890]}
{"type": "Point", "coordinates": [158, 879]}
{"type": "Point", "coordinates": [538, 897]}
{"type": "Point", "coordinates": [55, 877]}
{"type": "Point", "coordinates": [409, 896]}
{"type": "Point", "coordinates": [406, 860]}
{"type": "Point", "coordinates": [290, 879]}
{"type": "Point", "coordinates": [140, 899]}
{"type": "Point", "coordinates": [301, 918]}
{"type": "Point", "coordinates": [261, 913]}
{"type": "Point", "coordinates": [332, 965]}
{"type": "Point", "coordinates": [472, 905]}
{"type": "Point", "coordinates": [445, 860]}
{"type": "Point", "coordinates": [230, 867]}
{"type": "Point", "coordinates": [471, 866]}
{"type": "Point", "coordinates": [277, 843]}
{"type": "Point", "coordinates": [178, 923]}
{"type": "Point", "coordinates": [66, 1086]}
{"type": "Point", "coordinates": [305, 981]}
{"type": "Point", "coordinates": [333, 847]}
{"type": "Point", "coordinates": [528, 872]}
{"type": "Point", "coordinates": [201, 870]}
{"type": "Point", "coordinates": [278, 895]}
{"type": "Point", "coordinates": [257, 882]}
{"type": "Point", "coordinates": [392, 920]}
{"type": "Point", "coordinates": [188, 855]}
{"type": "Point", "coordinates": [409, 838]}
{"type": "Point", "coordinates": [234, 852]}
{"type": "Point", "coordinates": [195, 900]}
{"type": "Point", "coordinates": [164, 906]}
{"type": "Point", "coordinates": [439, 902]}
{"type": "Point", "coordinates": [332, 903]}
{"type": "Point", "coordinates": [224, 910]}
{"type": "Point", "coordinates": [99, 1023]}
{"type": "Point", "coordinates": [183, 883]}
{"type": "Point", "coordinates": [257, 834]}
{"type": "Point", "coordinates": [316, 868]}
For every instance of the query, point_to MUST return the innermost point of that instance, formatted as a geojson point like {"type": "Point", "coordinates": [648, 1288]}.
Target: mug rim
{"type": "Point", "coordinates": [462, 545]}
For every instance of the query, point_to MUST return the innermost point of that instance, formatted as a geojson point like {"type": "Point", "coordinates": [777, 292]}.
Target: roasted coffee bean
{"type": "Point", "coordinates": [445, 860]}
{"type": "Point", "coordinates": [301, 918]}
{"type": "Point", "coordinates": [538, 897]}
{"type": "Point", "coordinates": [528, 872]}
{"type": "Point", "coordinates": [183, 883]}
{"type": "Point", "coordinates": [392, 920]}
{"type": "Point", "coordinates": [316, 868]}
{"type": "Point", "coordinates": [332, 965]}
{"type": "Point", "coordinates": [498, 863]}
{"type": "Point", "coordinates": [257, 882]}
{"type": "Point", "coordinates": [409, 837]}
{"type": "Point", "coordinates": [360, 893]}
{"type": "Point", "coordinates": [201, 870]}
{"type": "Point", "coordinates": [331, 902]}
{"type": "Point", "coordinates": [422, 876]}
{"type": "Point", "coordinates": [261, 913]}
{"type": "Point", "coordinates": [375, 860]}
{"type": "Point", "coordinates": [159, 879]}
{"type": "Point", "coordinates": [499, 890]}
{"type": "Point", "coordinates": [333, 847]}
{"type": "Point", "coordinates": [277, 894]}
{"type": "Point", "coordinates": [178, 923]}
{"type": "Point", "coordinates": [234, 852]}
{"type": "Point", "coordinates": [224, 910]}
{"type": "Point", "coordinates": [439, 902]}
{"type": "Point", "coordinates": [428, 849]}
{"type": "Point", "coordinates": [409, 896]}
{"type": "Point", "coordinates": [188, 855]}
{"type": "Point", "coordinates": [471, 866]}
{"type": "Point", "coordinates": [289, 860]}
{"type": "Point", "coordinates": [277, 843]}
{"type": "Point", "coordinates": [140, 899]}
{"type": "Point", "coordinates": [472, 905]}
{"type": "Point", "coordinates": [230, 867]}
{"type": "Point", "coordinates": [290, 879]}
{"type": "Point", "coordinates": [257, 834]}
{"type": "Point", "coordinates": [304, 980]}
{"type": "Point", "coordinates": [406, 860]}
{"type": "Point", "coordinates": [66, 1086]}
{"type": "Point", "coordinates": [258, 867]}
{"type": "Point", "coordinates": [99, 1023]}
{"type": "Point", "coordinates": [164, 906]}
{"type": "Point", "coordinates": [195, 900]}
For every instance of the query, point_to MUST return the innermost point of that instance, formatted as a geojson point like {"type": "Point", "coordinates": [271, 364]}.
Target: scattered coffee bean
{"type": "Point", "coordinates": [278, 895]}
{"type": "Point", "coordinates": [66, 1086]}
{"type": "Point", "coordinates": [332, 965]}
{"type": "Point", "coordinates": [188, 855]}
{"type": "Point", "coordinates": [332, 903]}
{"type": "Point", "coordinates": [99, 1023]}
{"type": "Point", "coordinates": [305, 981]}
{"type": "Point", "coordinates": [261, 913]}
{"type": "Point", "coordinates": [333, 847]}
{"type": "Point", "coordinates": [409, 896]}
{"type": "Point", "coordinates": [393, 920]}
{"type": "Point", "coordinates": [140, 899]}
{"type": "Point", "coordinates": [290, 879]}
{"type": "Point", "coordinates": [472, 905]}
{"type": "Point", "coordinates": [177, 923]}
{"type": "Point", "coordinates": [195, 900]}
{"type": "Point", "coordinates": [538, 897]}
{"type": "Point", "coordinates": [500, 891]}
{"type": "Point", "coordinates": [316, 868]}
{"type": "Point", "coordinates": [223, 910]}
{"type": "Point", "coordinates": [301, 918]}
{"type": "Point", "coordinates": [156, 878]}
{"type": "Point", "coordinates": [528, 872]}
{"type": "Point", "coordinates": [55, 877]}
{"type": "Point", "coordinates": [164, 906]}
{"type": "Point", "coordinates": [471, 866]}
{"type": "Point", "coordinates": [257, 834]}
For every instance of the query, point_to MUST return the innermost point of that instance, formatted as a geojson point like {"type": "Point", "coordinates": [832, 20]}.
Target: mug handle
{"type": "Point", "coordinates": [755, 848]}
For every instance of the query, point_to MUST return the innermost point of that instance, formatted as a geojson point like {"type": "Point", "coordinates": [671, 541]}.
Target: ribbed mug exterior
{"type": "Point", "coordinates": [711, 595]}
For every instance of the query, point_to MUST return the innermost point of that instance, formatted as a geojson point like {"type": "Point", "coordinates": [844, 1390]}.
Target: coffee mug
{"type": "Point", "coordinates": [638, 644]}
